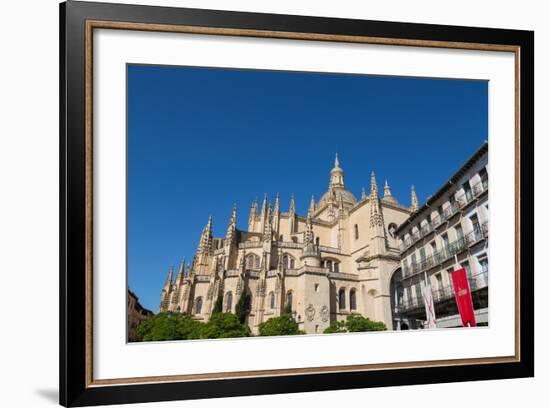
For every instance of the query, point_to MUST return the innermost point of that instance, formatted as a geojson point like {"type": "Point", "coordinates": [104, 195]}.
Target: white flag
{"type": "Point", "coordinates": [429, 305]}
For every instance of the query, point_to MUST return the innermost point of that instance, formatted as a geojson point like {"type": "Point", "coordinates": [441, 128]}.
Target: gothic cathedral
{"type": "Point", "coordinates": [336, 260]}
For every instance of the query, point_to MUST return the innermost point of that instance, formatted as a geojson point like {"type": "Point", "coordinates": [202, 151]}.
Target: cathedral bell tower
{"type": "Point", "coordinates": [337, 175]}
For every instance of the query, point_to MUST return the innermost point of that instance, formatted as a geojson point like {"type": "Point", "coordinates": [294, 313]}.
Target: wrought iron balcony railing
{"type": "Point", "coordinates": [443, 294]}
{"type": "Point", "coordinates": [448, 251]}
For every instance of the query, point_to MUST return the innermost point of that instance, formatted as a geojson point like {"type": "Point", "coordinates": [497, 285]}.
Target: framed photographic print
{"type": "Point", "coordinates": [255, 203]}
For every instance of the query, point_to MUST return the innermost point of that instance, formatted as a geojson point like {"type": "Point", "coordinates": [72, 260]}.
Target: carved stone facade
{"type": "Point", "coordinates": [335, 261]}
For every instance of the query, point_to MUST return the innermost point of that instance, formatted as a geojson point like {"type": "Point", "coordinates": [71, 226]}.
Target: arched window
{"type": "Point", "coordinates": [352, 300]}
{"type": "Point", "coordinates": [228, 302]}
{"type": "Point", "coordinates": [289, 299]}
{"type": "Point", "coordinates": [336, 267]}
{"type": "Point", "coordinates": [198, 305]}
{"type": "Point", "coordinates": [329, 265]}
{"type": "Point", "coordinates": [342, 299]}
{"type": "Point", "coordinates": [252, 261]}
{"type": "Point", "coordinates": [356, 229]}
{"type": "Point", "coordinates": [272, 300]}
{"type": "Point", "coordinates": [288, 262]}
{"type": "Point", "coordinates": [317, 241]}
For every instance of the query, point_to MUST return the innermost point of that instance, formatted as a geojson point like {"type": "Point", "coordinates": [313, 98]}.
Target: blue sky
{"type": "Point", "coordinates": [201, 139]}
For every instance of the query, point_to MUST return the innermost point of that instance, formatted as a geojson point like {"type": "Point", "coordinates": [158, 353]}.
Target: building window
{"type": "Point", "coordinates": [288, 262]}
{"type": "Point", "coordinates": [459, 233]}
{"type": "Point", "coordinates": [356, 229]}
{"type": "Point", "coordinates": [252, 261]}
{"type": "Point", "coordinates": [342, 299]}
{"type": "Point", "coordinates": [466, 266]}
{"type": "Point", "coordinates": [317, 241]}
{"type": "Point", "coordinates": [198, 305]}
{"type": "Point", "coordinates": [316, 287]}
{"type": "Point", "coordinates": [475, 226]}
{"type": "Point", "coordinates": [281, 238]}
{"type": "Point", "coordinates": [352, 300]}
{"type": "Point", "coordinates": [418, 290]}
{"type": "Point", "coordinates": [329, 265]}
{"type": "Point", "coordinates": [336, 267]}
{"type": "Point", "coordinates": [434, 247]}
{"type": "Point", "coordinates": [484, 177]}
{"type": "Point", "coordinates": [441, 213]}
{"type": "Point", "coordinates": [467, 190]}
{"type": "Point", "coordinates": [445, 238]}
{"type": "Point", "coordinates": [272, 300]}
{"type": "Point", "coordinates": [228, 302]}
{"type": "Point", "coordinates": [289, 300]}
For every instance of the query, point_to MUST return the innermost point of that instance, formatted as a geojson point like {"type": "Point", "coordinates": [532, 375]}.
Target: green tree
{"type": "Point", "coordinates": [336, 326]}
{"type": "Point", "coordinates": [355, 323]}
{"type": "Point", "coordinates": [218, 306]}
{"type": "Point", "coordinates": [280, 326]}
{"type": "Point", "coordinates": [224, 325]}
{"type": "Point", "coordinates": [242, 306]}
{"type": "Point", "coordinates": [162, 326]}
{"type": "Point", "coordinates": [188, 328]}
{"type": "Point", "coordinates": [358, 323]}
{"type": "Point", "coordinates": [288, 309]}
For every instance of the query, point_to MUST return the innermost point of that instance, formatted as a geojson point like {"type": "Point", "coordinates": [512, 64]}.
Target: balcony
{"type": "Point", "coordinates": [477, 235]}
{"type": "Point", "coordinates": [443, 294]}
{"type": "Point", "coordinates": [479, 281]}
{"type": "Point", "coordinates": [480, 187]}
{"type": "Point", "coordinates": [447, 252]}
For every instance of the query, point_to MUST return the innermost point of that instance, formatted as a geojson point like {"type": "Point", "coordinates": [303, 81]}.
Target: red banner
{"type": "Point", "coordinates": [463, 297]}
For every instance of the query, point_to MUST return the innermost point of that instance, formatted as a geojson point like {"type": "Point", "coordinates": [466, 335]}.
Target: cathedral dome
{"type": "Point", "coordinates": [337, 189]}
{"type": "Point", "coordinates": [337, 194]}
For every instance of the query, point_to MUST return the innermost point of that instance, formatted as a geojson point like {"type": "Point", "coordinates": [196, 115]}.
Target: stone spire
{"type": "Point", "coordinates": [232, 227]}
{"type": "Point", "coordinates": [264, 208]}
{"type": "Point", "coordinates": [253, 214]}
{"type": "Point", "coordinates": [169, 276]}
{"type": "Point", "coordinates": [276, 209]}
{"type": "Point", "coordinates": [275, 220]}
{"type": "Point", "coordinates": [311, 208]}
{"type": "Point", "coordinates": [267, 224]}
{"type": "Point", "coordinates": [181, 272]}
{"type": "Point", "coordinates": [337, 175]}
{"type": "Point", "coordinates": [387, 190]}
{"type": "Point", "coordinates": [373, 185]}
{"type": "Point", "coordinates": [414, 199]}
{"type": "Point", "coordinates": [363, 194]}
{"type": "Point", "coordinates": [341, 212]}
{"type": "Point", "coordinates": [311, 255]}
{"type": "Point", "coordinates": [205, 243]}
{"type": "Point", "coordinates": [308, 236]}
{"type": "Point", "coordinates": [388, 197]}
{"type": "Point", "coordinates": [292, 206]}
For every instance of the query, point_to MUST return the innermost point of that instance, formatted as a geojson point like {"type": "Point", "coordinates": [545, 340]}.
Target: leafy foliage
{"type": "Point", "coordinates": [218, 306]}
{"type": "Point", "coordinates": [337, 326]}
{"type": "Point", "coordinates": [280, 326]}
{"type": "Point", "coordinates": [355, 323]}
{"type": "Point", "coordinates": [166, 326]}
{"type": "Point", "coordinates": [288, 309]}
{"type": "Point", "coordinates": [224, 325]}
{"type": "Point", "coordinates": [242, 307]}
{"type": "Point", "coordinates": [176, 326]}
